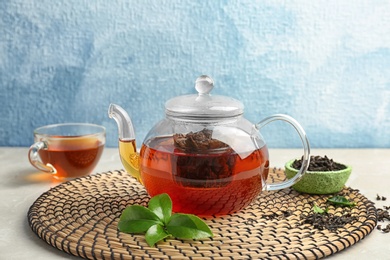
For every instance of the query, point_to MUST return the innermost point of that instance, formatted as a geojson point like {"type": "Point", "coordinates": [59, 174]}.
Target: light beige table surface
{"type": "Point", "coordinates": [21, 185]}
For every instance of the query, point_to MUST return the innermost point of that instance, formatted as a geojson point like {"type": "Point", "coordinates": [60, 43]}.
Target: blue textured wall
{"type": "Point", "coordinates": [326, 63]}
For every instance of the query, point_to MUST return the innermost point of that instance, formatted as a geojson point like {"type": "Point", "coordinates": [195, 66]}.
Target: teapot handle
{"type": "Point", "coordinates": [306, 150]}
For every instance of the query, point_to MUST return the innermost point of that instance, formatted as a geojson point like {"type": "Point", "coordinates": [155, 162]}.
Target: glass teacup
{"type": "Point", "coordinates": [67, 150]}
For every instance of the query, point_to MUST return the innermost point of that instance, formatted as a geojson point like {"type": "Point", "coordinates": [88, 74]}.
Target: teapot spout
{"type": "Point", "coordinates": [127, 145]}
{"type": "Point", "coordinates": [125, 126]}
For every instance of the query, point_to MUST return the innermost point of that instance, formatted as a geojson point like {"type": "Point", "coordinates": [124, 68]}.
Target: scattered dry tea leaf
{"type": "Point", "coordinates": [383, 215]}
{"type": "Point", "coordinates": [327, 221]}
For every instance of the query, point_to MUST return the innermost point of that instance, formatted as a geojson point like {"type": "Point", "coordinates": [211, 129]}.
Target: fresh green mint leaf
{"type": "Point", "coordinates": [155, 233]}
{"type": "Point", "coordinates": [342, 201]}
{"type": "Point", "coordinates": [187, 226]}
{"type": "Point", "coordinates": [157, 221]}
{"type": "Point", "coordinates": [137, 219]}
{"type": "Point", "coordinates": [161, 205]}
{"type": "Point", "coordinates": [319, 210]}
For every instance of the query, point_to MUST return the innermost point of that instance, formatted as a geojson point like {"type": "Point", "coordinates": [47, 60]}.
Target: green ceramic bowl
{"type": "Point", "coordinates": [314, 182]}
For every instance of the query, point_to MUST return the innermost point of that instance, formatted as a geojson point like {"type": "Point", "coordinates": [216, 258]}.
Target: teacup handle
{"type": "Point", "coordinates": [35, 160]}
{"type": "Point", "coordinates": [306, 150]}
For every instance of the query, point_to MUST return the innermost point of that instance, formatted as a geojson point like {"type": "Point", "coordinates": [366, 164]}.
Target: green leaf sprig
{"type": "Point", "coordinates": [336, 200]}
{"type": "Point", "coordinates": [341, 201]}
{"type": "Point", "coordinates": [319, 210]}
{"type": "Point", "coordinates": [158, 222]}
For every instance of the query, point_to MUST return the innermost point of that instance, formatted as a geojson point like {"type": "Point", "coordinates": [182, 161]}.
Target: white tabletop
{"type": "Point", "coordinates": [21, 185]}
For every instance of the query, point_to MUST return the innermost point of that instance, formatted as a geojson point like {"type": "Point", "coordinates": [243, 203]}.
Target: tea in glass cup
{"type": "Point", "coordinates": [67, 150]}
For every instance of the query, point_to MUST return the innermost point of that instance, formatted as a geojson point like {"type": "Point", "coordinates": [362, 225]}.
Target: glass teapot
{"type": "Point", "coordinates": [204, 153]}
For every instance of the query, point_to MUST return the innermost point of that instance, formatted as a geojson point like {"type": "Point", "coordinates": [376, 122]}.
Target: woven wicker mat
{"type": "Point", "coordinates": [80, 217]}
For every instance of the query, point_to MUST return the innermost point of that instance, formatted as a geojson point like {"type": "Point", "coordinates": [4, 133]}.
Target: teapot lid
{"type": "Point", "coordinates": [203, 104]}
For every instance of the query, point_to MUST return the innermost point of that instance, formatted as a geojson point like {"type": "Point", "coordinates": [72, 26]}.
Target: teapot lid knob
{"type": "Point", "coordinates": [203, 106]}
{"type": "Point", "coordinates": [204, 84]}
